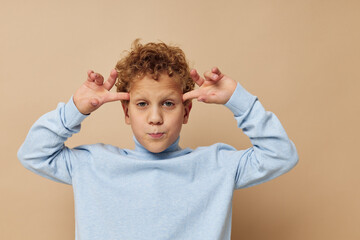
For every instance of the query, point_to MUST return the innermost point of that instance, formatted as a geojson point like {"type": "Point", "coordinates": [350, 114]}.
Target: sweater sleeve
{"type": "Point", "coordinates": [43, 151]}
{"type": "Point", "coordinates": [272, 153]}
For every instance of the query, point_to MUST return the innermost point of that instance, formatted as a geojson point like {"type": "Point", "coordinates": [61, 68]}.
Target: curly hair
{"type": "Point", "coordinates": [153, 59]}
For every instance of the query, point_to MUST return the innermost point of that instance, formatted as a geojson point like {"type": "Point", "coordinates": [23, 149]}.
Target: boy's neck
{"type": "Point", "coordinates": [172, 148]}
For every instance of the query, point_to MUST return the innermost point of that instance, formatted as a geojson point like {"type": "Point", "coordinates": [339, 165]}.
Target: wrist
{"type": "Point", "coordinates": [231, 87]}
{"type": "Point", "coordinates": [73, 114]}
{"type": "Point", "coordinates": [80, 106]}
{"type": "Point", "coordinates": [240, 101]}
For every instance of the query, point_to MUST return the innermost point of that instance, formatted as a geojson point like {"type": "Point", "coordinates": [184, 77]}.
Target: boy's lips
{"type": "Point", "coordinates": [156, 135]}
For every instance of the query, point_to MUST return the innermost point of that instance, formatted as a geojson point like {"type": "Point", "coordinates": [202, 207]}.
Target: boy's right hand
{"type": "Point", "coordinates": [95, 92]}
{"type": "Point", "coordinates": [215, 87]}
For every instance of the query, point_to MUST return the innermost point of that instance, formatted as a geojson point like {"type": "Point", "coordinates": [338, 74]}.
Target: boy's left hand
{"type": "Point", "coordinates": [215, 87]}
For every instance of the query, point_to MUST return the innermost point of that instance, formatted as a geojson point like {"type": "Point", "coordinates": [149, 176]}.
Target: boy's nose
{"type": "Point", "coordinates": [155, 116]}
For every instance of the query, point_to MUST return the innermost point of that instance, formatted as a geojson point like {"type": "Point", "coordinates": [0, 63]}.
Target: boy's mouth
{"type": "Point", "coordinates": [156, 135]}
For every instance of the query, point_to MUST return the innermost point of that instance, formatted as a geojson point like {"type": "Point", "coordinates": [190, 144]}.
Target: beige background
{"type": "Point", "coordinates": [301, 58]}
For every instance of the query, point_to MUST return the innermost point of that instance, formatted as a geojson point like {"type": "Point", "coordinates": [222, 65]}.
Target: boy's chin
{"type": "Point", "coordinates": [157, 146]}
{"type": "Point", "coordinates": [155, 149]}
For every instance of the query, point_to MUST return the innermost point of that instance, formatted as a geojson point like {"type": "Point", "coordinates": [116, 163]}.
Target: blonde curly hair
{"type": "Point", "coordinates": [153, 59]}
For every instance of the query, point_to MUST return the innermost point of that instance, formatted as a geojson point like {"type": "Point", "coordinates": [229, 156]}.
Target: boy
{"type": "Point", "coordinates": [157, 191]}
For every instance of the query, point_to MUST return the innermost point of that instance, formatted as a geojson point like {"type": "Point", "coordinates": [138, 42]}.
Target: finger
{"type": "Point", "coordinates": [111, 80]}
{"type": "Point", "coordinates": [111, 97]}
{"type": "Point", "coordinates": [191, 95]}
{"type": "Point", "coordinates": [98, 78]}
{"type": "Point", "coordinates": [92, 76]}
{"type": "Point", "coordinates": [89, 73]}
{"type": "Point", "coordinates": [217, 71]}
{"type": "Point", "coordinates": [196, 77]}
{"type": "Point", "coordinates": [210, 76]}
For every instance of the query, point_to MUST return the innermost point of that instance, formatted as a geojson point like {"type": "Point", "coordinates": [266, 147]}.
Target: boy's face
{"type": "Point", "coordinates": [156, 112]}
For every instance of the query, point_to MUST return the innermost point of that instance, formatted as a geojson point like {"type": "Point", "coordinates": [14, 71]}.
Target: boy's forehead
{"type": "Point", "coordinates": [159, 92]}
{"type": "Point", "coordinates": [149, 85]}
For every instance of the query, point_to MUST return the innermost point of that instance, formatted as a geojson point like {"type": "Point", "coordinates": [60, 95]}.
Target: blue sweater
{"type": "Point", "coordinates": [177, 194]}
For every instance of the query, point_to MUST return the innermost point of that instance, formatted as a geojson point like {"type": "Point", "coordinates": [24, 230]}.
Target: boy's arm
{"type": "Point", "coordinates": [272, 153]}
{"type": "Point", "coordinates": [43, 150]}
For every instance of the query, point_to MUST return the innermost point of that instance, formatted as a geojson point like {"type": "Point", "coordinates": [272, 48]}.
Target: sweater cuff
{"type": "Point", "coordinates": [241, 101]}
{"type": "Point", "coordinates": [73, 116]}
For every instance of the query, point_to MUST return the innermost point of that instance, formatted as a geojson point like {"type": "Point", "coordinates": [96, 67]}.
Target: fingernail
{"type": "Point", "coordinates": [214, 76]}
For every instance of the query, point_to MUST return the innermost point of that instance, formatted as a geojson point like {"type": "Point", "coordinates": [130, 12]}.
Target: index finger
{"type": "Point", "coordinates": [191, 95]}
{"type": "Point", "coordinates": [117, 96]}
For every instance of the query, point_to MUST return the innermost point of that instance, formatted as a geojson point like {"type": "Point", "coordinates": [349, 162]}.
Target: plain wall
{"type": "Point", "coordinates": [301, 58]}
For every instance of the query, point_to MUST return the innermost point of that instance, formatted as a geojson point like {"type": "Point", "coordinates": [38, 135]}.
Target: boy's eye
{"type": "Point", "coordinates": [141, 104]}
{"type": "Point", "coordinates": [168, 104]}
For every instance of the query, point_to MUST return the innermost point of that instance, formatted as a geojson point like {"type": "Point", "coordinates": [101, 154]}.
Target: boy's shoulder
{"type": "Point", "coordinates": [96, 151]}
{"type": "Point", "coordinates": [99, 147]}
{"type": "Point", "coordinates": [214, 148]}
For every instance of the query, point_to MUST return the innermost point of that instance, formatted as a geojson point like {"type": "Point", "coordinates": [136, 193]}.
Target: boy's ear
{"type": "Point", "coordinates": [187, 108]}
{"type": "Point", "coordinates": [125, 106]}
